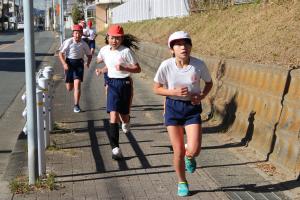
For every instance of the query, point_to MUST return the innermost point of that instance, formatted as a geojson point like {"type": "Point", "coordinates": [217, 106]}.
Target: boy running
{"type": "Point", "coordinates": [71, 56]}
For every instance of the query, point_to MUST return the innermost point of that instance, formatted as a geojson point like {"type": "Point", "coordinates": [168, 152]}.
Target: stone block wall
{"type": "Point", "coordinates": [257, 104]}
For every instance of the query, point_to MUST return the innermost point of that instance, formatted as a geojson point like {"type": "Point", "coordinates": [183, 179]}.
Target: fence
{"type": "Point", "coordinates": [44, 96]}
{"type": "Point", "coordinates": [138, 10]}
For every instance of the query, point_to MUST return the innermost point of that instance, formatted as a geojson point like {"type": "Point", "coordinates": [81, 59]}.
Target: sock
{"type": "Point", "coordinates": [114, 134]}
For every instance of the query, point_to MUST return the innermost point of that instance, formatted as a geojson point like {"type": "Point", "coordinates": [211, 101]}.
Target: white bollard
{"type": "Point", "coordinates": [50, 107]}
{"type": "Point", "coordinates": [43, 84]}
{"type": "Point", "coordinates": [25, 131]}
{"type": "Point", "coordinates": [40, 132]}
{"type": "Point", "coordinates": [24, 113]}
{"type": "Point", "coordinates": [24, 98]}
{"type": "Point", "coordinates": [48, 72]}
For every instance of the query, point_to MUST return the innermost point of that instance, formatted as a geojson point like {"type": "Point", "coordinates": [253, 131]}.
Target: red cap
{"type": "Point", "coordinates": [115, 30]}
{"type": "Point", "coordinates": [82, 23]}
{"type": "Point", "coordinates": [77, 27]}
{"type": "Point", "coordinates": [90, 23]}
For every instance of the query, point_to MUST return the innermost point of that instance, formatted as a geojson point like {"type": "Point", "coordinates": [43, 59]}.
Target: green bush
{"type": "Point", "coordinates": [76, 14]}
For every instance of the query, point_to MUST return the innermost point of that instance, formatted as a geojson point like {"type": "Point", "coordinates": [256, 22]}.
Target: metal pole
{"type": "Point", "coordinates": [2, 15]}
{"type": "Point", "coordinates": [40, 125]}
{"type": "Point", "coordinates": [61, 21]}
{"type": "Point", "coordinates": [54, 14]}
{"type": "Point", "coordinates": [30, 91]}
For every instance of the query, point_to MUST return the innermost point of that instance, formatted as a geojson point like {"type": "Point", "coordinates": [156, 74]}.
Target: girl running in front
{"type": "Point", "coordinates": [178, 78]}
{"type": "Point", "coordinates": [119, 62]}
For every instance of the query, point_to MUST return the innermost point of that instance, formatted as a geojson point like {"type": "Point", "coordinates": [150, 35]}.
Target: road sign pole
{"type": "Point", "coordinates": [30, 69]}
{"type": "Point", "coordinates": [61, 21]}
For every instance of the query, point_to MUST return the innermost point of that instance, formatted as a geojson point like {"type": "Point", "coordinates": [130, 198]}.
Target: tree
{"type": "Point", "coordinates": [76, 14]}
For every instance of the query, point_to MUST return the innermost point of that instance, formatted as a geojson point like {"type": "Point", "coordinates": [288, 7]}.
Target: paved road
{"type": "Point", "coordinates": [12, 81]}
{"type": "Point", "coordinates": [12, 63]}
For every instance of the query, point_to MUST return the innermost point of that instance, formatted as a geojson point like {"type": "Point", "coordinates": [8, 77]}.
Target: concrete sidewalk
{"type": "Point", "coordinates": [82, 164]}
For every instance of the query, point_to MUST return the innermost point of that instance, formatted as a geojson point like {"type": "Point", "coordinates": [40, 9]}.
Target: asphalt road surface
{"type": "Point", "coordinates": [12, 63]}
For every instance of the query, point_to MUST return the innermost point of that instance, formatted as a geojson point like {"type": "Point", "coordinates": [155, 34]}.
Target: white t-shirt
{"type": "Point", "coordinates": [173, 77]}
{"type": "Point", "coordinates": [75, 50]}
{"type": "Point", "coordinates": [85, 33]}
{"type": "Point", "coordinates": [111, 58]}
{"type": "Point", "coordinates": [92, 34]}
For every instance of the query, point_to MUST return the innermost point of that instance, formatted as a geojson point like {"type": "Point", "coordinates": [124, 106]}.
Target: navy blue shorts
{"type": "Point", "coordinates": [75, 71]}
{"type": "Point", "coordinates": [119, 95]}
{"type": "Point", "coordinates": [86, 40]}
{"type": "Point", "coordinates": [92, 44]}
{"type": "Point", "coordinates": [181, 113]}
{"type": "Point", "coordinates": [105, 78]}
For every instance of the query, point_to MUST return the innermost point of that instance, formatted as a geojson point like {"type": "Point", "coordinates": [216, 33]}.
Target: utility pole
{"type": "Point", "coordinates": [30, 69]}
{"type": "Point", "coordinates": [54, 14]}
{"type": "Point", "coordinates": [62, 31]}
{"type": "Point", "coordinates": [2, 15]}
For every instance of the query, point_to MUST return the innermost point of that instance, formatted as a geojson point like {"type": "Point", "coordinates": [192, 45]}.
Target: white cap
{"type": "Point", "coordinates": [177, 36]}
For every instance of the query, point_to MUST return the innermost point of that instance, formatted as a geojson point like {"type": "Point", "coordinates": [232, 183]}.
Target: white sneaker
{"type": "Point", "coordinates": [76, 109]}
{"type": "Point", "coordinates": [116, 153]}
{"type": "Point", "coordinates": [126, 127]}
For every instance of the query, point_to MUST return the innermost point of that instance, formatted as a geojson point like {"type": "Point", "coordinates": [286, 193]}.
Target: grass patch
{"type": "Point", "coordinates": [20, 185]}
{"type": "Point", "coordinates": [251, 32]}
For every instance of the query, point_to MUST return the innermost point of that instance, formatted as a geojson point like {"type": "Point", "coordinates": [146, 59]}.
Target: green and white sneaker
{"type": "Point", "coordinates": [183, 189]}
{"type": "Point", "coordinates": [190, 164]}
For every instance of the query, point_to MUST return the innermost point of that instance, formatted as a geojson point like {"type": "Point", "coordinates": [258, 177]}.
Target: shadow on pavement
{"type": "Point", "coordinates": [15, 62]}
{"type": "Point", "coordinates": [14, 65]}
{"type": "Point", "coordinates": [8, 33]}
{"type": "Point", "coordinates": [99, 145]}
{"type": "Point", "coordinates": [149, 107]}
{"type": "Point", "coordinates": [95, 147]}
{"type": "Point", "coordinates": [134, 173]}
{"type": "Point", "coordinates": [282, 186]}
{"type": "Point", "coordinates": [100, 167]}
{"type": "Point", "coordinates": [6, 42]}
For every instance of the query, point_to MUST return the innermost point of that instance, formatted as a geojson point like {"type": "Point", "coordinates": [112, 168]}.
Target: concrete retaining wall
{"type": "Point", "coordinates": [257, 104]}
